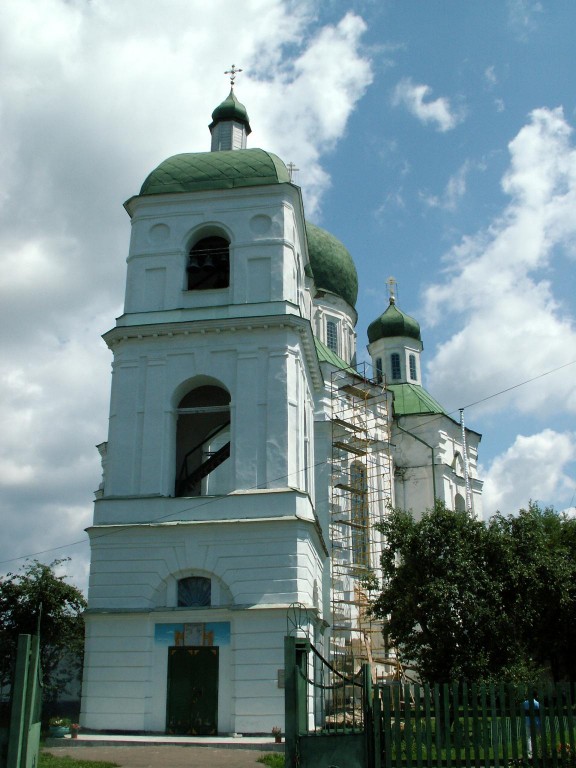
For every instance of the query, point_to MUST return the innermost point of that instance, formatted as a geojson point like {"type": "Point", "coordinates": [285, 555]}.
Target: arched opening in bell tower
{"type": "Point", "coordinates": [209, 264]}
{"type": "Point", "coordinates": [203, 442]}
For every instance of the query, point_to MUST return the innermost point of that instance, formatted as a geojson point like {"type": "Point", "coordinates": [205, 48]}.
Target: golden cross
{"type": "Point", "coordinates": [232, 72]}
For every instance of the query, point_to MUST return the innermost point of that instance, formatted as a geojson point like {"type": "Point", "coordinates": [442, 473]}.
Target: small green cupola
{"type": "Point", "coordinates": [230, 125]}
{"type": "Point", "coordinates": [393, 322]}
{"type": "Point", "coordinates": [395, 345]}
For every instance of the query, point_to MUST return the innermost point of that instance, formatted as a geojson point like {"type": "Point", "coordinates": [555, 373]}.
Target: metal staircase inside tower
{"type": "Point", "coordinates": [191, 475]}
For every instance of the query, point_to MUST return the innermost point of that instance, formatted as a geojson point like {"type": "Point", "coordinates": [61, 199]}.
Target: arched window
{"type": "Point", "coordinates": [332, 335]}
{"type": "Point", "coordinates": [412, 365]}
{"type": "Point", "coordinates": [209, 264]}
{"type": "Point", "coordinates": [458, 464]}
{"type": "Point", "coordinates": [395, 364]}
{"type": "Point", "coordinates": [459, 503]}
{"type": "Point", "coordinates": [359, 514]}
{"type": "Point", "coordinates": [203, 442]}
{"type": "Point", "coordinates": [194, 592]}
{"type": "Point", "coordinates": [379, 376]}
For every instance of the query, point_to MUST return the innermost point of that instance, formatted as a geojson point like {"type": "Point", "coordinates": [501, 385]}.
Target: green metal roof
{"type": "Point", "coordinates": [231, 109]}
{"type": "Point", "coordinates": [326, 355]}
{"type": "Point", "coordinates": [393, 322]}
{"type": "Point", "coordinates": [197, 171]}
{"type": "Point", "coordinates": [332, 264]}
{"type": "Point", "coordinates": [412, 398]}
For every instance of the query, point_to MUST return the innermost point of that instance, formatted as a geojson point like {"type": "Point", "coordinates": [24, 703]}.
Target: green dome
{"type": "Point", "coordinates": [197, 171]}
{"type": "Point", "coordinates": [332, 265]}
{"type": "Point", "coordinates": [393, 323]}
{"type": "Point", "coordinates": [231, 109]}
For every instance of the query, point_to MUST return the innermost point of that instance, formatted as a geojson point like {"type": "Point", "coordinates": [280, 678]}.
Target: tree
{"type": "Point", "coordinates": [462, 599]}
{"type": "Point", "coordinates": [36, 591]}
{"type": "Point", "coordinates": [540, 591]}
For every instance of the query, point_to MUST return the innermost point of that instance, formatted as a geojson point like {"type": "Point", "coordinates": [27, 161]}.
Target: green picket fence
{"type": "Point", "coordinates": [475, 726]}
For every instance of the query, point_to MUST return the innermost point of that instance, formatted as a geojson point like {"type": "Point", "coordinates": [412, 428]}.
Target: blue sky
{"type": "Point", "coordinates": [435, 138]}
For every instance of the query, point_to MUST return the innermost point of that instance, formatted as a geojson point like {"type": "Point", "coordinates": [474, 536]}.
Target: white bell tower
{"type": "Point", "coordinates": [205, 529]}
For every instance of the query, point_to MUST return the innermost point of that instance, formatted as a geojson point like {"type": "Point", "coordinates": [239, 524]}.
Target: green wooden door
{"type": "Point", "coordinates": [192, 706]}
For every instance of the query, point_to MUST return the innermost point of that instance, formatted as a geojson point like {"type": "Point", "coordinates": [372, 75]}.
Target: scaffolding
{"type": "Point", "coordinates": [361, 492]}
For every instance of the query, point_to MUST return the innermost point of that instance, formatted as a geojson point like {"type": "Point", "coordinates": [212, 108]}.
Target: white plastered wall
{"type": "Point", "coordinates": [413, 463]}
{"type": "Point", "coordinates": [260, 569]}
{"type": "Point", "coordinates": [267, 255]}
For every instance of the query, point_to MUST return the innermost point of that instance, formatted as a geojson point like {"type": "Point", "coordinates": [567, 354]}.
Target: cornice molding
{"type": "Point", "coordinates": [126, 333]}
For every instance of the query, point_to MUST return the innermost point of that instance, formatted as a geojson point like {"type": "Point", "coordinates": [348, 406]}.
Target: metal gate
{"type": "Point", "coordinates": [329, 720]}
{"type": "Point", "coordinates": [344, 721]}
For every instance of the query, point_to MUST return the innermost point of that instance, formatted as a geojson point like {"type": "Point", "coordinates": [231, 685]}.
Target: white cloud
{"type": "Point", "coordinates": [511, 327]}
{"type": "Point", "coordinates": [439, 112]}
{"type": "Point", "coordinates": [523, 16]}
{"type": "Point", "coordinates": [490, 76]}
{"type": "Point", "coordinates": [533, 468]}
{"type": "Point", "coordinates": [454, 191]}
{"type": "Point", "coordinates": [311, 105]}
{"type": "Point", "coordinates": [92, 97]}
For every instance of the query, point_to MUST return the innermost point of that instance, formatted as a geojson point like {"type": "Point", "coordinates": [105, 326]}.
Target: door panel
{"type": "Point", "coordinates": [192, 706]}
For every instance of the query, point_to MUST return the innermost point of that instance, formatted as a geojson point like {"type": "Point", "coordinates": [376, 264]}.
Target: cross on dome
{"type": "Point", "coordinates": [292, 169]}
{"type": "Point", "coordinates": [232, 72]}
{"type": "Point", "coordinates": [392, 283]}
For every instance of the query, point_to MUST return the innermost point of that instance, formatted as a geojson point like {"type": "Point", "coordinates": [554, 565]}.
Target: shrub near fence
{"type": "Point", "coordinates": [475, 726]}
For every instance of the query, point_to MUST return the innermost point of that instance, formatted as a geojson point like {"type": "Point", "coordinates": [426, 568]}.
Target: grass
{"type": "Point", "coordinates": [273, 760]}
{"type": "Point", "coordinates": [48, 760]}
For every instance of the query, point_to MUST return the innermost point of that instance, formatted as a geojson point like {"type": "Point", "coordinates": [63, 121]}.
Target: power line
{"type": "Point", "coordinates": [320, 463]}
{"type": "Point", "coordinates": [494, 394]}
{"type": "Point", "coordinates": [522, 383]}
{"type": "Point", "coordinates": [154, 520]}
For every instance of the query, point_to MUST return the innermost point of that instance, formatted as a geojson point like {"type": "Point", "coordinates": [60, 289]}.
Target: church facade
{"type": "Point", "coordinates": [247, 457]}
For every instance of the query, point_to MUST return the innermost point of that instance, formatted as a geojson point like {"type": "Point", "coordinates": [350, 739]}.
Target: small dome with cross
{"type": "Point", "coordinates": [393, 322]}
{"type": "Point", "coordinates": [231, 109]}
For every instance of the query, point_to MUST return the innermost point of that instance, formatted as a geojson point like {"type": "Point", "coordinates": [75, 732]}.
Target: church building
{"type": "Point", "coordinates": [248, 455]}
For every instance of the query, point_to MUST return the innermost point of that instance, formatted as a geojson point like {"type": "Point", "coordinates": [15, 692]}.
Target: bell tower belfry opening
{"type": "Point", "coordinates": [203, 442]}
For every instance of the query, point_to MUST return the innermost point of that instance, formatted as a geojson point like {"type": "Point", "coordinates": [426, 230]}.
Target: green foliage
{"type": "Point", "coordinates": [60, 722]}
{"type": "Point", "coordinates": [274, 760]}
{"type": "Point", "coordinates": [462, 599]}
{"type": "Point", "coordinates": [36, 591]}
{"type": "Point", "coordinates": [48, 760]}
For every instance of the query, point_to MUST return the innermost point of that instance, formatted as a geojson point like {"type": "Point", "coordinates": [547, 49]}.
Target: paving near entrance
{"type": "Point", "coordinates": [166, 752]}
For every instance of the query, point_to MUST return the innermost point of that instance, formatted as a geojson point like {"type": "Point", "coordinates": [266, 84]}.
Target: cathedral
{"type": "Point", "coordinates": [249, 455]}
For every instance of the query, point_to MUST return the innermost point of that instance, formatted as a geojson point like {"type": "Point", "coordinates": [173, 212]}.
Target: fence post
{"type": "Point", "coordinates": [377, 725]}
{"type": "Point", "coordinates": [301, 675]}
{"type": "Point", "coordinates": [33, 706]}
{"type": "Point", "coordinates": [18, 724]}
{"type": "Point", "coordinates": [367, 706]}
{"type": "Point", "coordinates": [290, 702]}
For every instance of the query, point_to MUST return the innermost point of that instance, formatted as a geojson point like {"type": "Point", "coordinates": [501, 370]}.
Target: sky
{"type": "Point", "coordinates": [435, 138]}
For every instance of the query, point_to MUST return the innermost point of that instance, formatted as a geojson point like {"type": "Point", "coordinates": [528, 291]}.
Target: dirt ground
{"type": "Point", "coordinates": [166, 756]}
